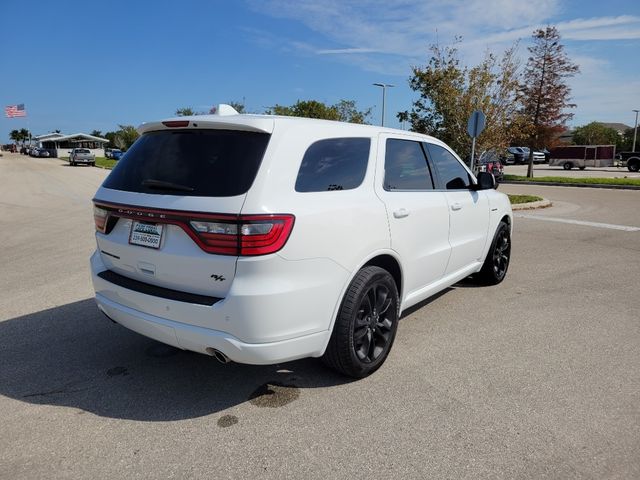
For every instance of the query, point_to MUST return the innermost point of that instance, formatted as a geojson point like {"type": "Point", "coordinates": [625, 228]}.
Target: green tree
{"type": "Point", "coordinates": [184, 112]}
{"type": "Point", "coordinates": [595, 133]}
{"type": "Point", "coordinates": [625, 141]}
{"type": "Point", "coordinates": [125, 136]}
{"type": "Point", "coordinates": [111, 136]}
{"type": "Point", "coordinates": [96, 133]}
{"type": "Point", "coordinates": [21, 135]}
{"type": "Point", "coordinates": [348, 112]}
{"type": "Point", "coordinates": [450, 92]}
{"type": "Point", "coordinates": [343, 111]}
{"type": "Point", "coordinates": [544, 89]}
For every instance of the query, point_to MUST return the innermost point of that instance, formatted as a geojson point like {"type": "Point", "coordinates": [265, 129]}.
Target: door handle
{"type": "Point", "coordinates": [403, 212]}
{"type": "Point", "coordinates": [456, 206]}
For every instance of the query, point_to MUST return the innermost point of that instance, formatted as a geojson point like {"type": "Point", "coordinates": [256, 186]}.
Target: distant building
{"type": "Point", "coordinates": [59, 144]}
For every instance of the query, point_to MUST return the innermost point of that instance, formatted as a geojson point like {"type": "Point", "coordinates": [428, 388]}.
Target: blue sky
{"type": "Point", "coordinates": [79, 66]}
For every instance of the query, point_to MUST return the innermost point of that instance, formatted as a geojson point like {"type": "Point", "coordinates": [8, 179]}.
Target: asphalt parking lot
{"type": "Point", "coordinates": [538, 377]}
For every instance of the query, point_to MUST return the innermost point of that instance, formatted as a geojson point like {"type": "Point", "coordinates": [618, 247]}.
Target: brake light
{"type": "Point", "coordinates": [176, 123]}
{"type": "Point", "coordinates": [222, 234]}
{"type": "Point", "coordinates": [100, 216]}
{"type": "Point", "coordinates": [247, 236]}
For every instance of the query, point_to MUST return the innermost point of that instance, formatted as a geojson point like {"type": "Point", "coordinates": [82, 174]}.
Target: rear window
{"type": "Point", "coordinates": [82, 150]}
{"type": "Point", "coordinates": [206, 163]}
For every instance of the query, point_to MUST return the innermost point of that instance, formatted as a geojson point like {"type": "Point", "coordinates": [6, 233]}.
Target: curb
{"type": "Point", "coordinates": [579, 185]}
{"type": "Point", "coordinates": [544, 203]}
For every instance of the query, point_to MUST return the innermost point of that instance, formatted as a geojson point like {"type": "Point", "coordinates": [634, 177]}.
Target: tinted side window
{"type": "Point", "coordinates": [405, 166]}
{"type": "Point", "coordinates": [334, 164]}
{"type": "Point", "coordinates": [452, 174]}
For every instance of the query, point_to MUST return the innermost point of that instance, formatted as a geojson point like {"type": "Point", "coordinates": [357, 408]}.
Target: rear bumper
{"type": "Point", "coordinates": [203, 340]}
{"type": "Point", "coordinates": [274, 312]}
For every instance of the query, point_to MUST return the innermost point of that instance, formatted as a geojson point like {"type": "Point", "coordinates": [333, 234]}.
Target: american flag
{"type": "Point", "coordinates": [15, 111]}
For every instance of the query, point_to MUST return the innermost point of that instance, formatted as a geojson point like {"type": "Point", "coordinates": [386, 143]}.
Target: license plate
{"type": "Point", "coordinates": [145, 234]}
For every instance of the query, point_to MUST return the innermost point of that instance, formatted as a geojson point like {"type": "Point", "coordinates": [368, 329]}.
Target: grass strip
{"type": "Point", "coordinates": [517, 199]}
{"type": "Point", "coordinates": [105, 162]}
{"type": "Point", "coordinates": [585, 180]}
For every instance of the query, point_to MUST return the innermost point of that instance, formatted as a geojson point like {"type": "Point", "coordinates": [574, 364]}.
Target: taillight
{"type": "Point", "coordinates": [100, 217]}
{"type": "Point", "coordinates": [248, 235]}
{"type": "Point", "coordinates": [222, 234]}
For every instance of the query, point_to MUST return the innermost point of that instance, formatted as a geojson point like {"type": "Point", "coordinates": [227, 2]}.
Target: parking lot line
{"type": "Point", "coordinates": [625, 228]}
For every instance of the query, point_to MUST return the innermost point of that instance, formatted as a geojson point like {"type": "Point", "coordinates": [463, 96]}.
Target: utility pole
{"type": "Point", "coordinates": [635, 131]}
{"type": "Point", "coordinates": [384, 96]}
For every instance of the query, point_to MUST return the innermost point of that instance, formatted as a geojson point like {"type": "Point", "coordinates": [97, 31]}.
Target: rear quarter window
{"type": "Point", "coordinates": [333, 164]}
{"type": "Point", "coordinates": [208, 163]}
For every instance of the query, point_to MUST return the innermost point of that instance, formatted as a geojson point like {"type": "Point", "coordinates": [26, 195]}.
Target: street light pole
{"type": "Point", "coordinates": [635, 131]}
{"type": "Point", "coordinates": [384, 97]}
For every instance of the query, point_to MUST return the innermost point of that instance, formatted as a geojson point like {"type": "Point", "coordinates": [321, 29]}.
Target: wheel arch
{"type": "Point", "coordinates": [386, 259]}
{"type": "Point", "coordinates": [391, 265]}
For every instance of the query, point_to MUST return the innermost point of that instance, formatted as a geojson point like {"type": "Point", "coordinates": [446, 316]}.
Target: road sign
{"type": "Point", "coordinates": [475, 126]}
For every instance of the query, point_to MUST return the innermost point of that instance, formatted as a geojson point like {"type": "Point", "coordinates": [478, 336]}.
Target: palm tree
{"type": "Point", "coordinates": [15, 135]}
{"type": "Point", "coordinates": [25, 135]}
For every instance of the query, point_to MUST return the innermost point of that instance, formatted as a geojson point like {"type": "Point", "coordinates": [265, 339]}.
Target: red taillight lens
{"type": "Point", "coordinates": [222, 234]}
{"type": "Point", "coordinates": [249, 235]}
{"type": "Point", "coordinates": [100, 217]}
{"type": "Point", "coordinates": [264, 234]}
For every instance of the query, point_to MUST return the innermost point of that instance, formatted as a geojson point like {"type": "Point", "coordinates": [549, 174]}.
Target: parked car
{"type": "Point", "coordinates": [42, 152]}
{"type": "Point", "coordinates": [538, 157]}
{"type": "Point", "coordinates": [520, 155]}
{"type": "Point", "coordinates": [112, 152]}
{"type": "Point", "coordinates": [247, 242]}
{"type": "Point", "coordinates": [630, 159]}
{"type": "Point", "coordinates": [491, 162]}
{"type": "Point", "coordinates": [116, 154]}
{"type": "Point", "coordinates": [81, 155]}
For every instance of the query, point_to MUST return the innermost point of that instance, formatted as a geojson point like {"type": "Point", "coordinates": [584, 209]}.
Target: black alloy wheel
{"type": "Point", "coordinates": [496, 264]}
{"type": "Point", "coordinates": [501, 253]}
{"type": "Point", "coordinates": [366, 325]}
{"type": "Point", "coordinates": [372, 327]}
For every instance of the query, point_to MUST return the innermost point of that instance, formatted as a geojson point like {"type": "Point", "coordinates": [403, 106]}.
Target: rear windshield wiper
{"type": "Point", "coordinates": [162, 185]}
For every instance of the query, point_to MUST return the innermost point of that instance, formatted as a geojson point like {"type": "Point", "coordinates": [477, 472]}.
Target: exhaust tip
{"type": "Point", "coordinates": [218, 355]}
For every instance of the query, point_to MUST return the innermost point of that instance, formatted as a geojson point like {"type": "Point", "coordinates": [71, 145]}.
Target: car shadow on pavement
{"type": "Point", "coordinates": [73, 356]}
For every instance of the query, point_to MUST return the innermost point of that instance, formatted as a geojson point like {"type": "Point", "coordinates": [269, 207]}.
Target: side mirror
{"type": "Point", "coordinates": [486, 181]}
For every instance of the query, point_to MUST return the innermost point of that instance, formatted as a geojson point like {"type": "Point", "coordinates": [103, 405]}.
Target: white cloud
{"type": "Point", "coordinates": [406, 27]}
{"type": "Point", "coordinates": [388, 36]}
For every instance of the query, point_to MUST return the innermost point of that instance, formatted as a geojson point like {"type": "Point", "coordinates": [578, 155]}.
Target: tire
{"type": "Point", "coordinates": [496, 264]}
{"type": "Point", "coordinates": [567, 165]}
{"type": "Point", "coordinates": [633, 165]}
{"type": "Point", "coordinates": [73, 164]}
{"type": "Point", "coordinates": [366, 324]}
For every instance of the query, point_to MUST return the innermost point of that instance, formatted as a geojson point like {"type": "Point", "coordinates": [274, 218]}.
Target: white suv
{"type": "Point", "coordinates": [263, 239]}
